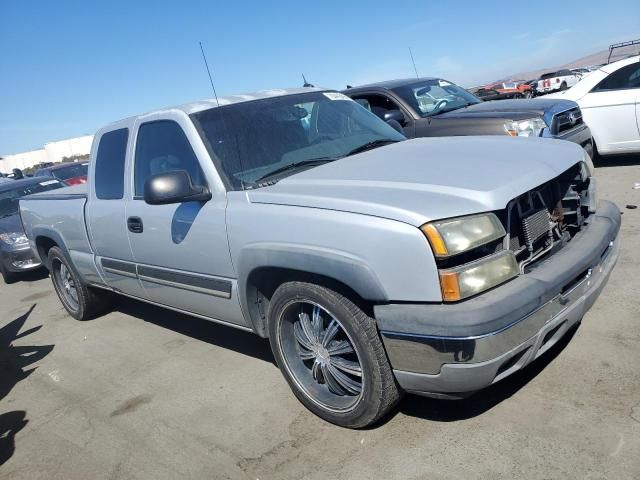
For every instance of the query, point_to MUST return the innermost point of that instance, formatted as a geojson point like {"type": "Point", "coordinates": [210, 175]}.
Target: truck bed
{"type": "Point", "coordinates": [60, 214]}
{"type": "Point", "coordinates": [76, 191]}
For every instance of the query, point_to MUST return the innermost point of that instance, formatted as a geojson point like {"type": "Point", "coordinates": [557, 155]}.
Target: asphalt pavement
{"type": "Point", "coordinates": [146, 393]}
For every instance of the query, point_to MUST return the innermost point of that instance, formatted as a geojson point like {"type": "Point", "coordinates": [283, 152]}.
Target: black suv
{"type": "Point", "coordinates": [434, 107]}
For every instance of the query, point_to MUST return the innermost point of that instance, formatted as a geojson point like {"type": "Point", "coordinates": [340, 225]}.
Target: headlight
{"type": "Point", "coordinates": [475, 277]}
{"type": "Point", "coordinates": [457, 235]}
{"type": "Point", "coordinates": [13, 238]}
{"type": "Point", "coordinates": [531, 127]}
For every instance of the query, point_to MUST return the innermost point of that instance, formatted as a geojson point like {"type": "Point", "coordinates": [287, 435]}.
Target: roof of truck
{"type": "Point", "coordinates": [198, 106]}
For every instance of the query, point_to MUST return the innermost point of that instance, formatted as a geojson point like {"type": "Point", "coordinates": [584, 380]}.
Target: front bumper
{"type": "Point", "coordinates": [20, 258]}
{"type": "Point", "coordinates": [455, 349]}
{"type": "Point", "coordinates": [580, 135]}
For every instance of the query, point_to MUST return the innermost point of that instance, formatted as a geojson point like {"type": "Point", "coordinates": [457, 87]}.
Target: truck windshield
{"type": "Point", "coordinates": [9, 196]}
{"type": "Point", "coordinates": [435, 96]}
{"type": "Point", "coordinates": [275, 137]}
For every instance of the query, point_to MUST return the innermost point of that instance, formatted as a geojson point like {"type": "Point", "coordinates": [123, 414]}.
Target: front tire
{"type": "Point", "coordinates": [331, 355]}
{"type": "Point", "coordinates": [563, 86]}
{"type": "Point", "coordinates": [80, 301]}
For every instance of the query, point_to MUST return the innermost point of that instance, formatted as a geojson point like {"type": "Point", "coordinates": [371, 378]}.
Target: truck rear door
{"type": "Point", "coordinates": [105, 212]}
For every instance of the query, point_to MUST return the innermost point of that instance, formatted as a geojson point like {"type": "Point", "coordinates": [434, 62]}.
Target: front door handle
{"type": "Point", "coordinates": [134, 224]}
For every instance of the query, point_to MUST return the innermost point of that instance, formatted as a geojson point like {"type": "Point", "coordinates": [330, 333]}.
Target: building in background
{"type": "Point", "coordinates": [53, 152]}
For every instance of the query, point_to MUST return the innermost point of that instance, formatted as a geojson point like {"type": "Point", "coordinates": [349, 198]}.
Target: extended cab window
{"type": "Point", "coordinates": [626, 77]}
{"type": "Point", "coordinates": [109, 176]}
{"type": "Point", "coordinates": [162, 146]}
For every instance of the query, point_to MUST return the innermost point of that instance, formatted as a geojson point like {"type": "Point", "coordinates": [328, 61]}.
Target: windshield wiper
{"type": "Point", "coordinates": [295, 166]}
{"type": "Point", "coordinates": [371, 145]}
{"type": "Point", "coordinates": [457, 107]}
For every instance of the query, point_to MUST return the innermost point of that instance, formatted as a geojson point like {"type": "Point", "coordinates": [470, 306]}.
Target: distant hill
{"type": "Point", "coordinates": [593, 59]}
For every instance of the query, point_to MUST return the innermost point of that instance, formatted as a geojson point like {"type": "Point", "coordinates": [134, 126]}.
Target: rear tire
{"type": "Point", "coordinates": [80, 301]}
{"type": "Point", "coordinates": [330, 353]}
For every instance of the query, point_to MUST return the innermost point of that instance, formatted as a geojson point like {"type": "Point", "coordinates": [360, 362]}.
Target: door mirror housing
{"type": "Point", "coordinates": [396, 115]}
{"type": "Point", "coordinates": [396, 126]}
{"type": "Point", "coordinates": [174, 186]}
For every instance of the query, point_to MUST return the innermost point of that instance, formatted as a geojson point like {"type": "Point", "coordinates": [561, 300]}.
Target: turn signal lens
{"type": "Point", "coordinates": [436, 241]}
{"type": "Point", "coordinates": [450, 287]}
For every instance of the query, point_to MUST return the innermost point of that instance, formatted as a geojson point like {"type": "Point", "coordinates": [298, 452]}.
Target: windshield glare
{"type": "Point", "coordinates": [9, 198]}
{"type": "Point", "coordinates": [432, 97]}
{"type": "Point", "coordinates": [251, 139]}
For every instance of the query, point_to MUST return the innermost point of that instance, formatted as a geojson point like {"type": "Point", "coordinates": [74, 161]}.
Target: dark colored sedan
{"type": "Point", "coordinates": [68, 173]}
{"type": "Point", "coordinates": [15, 253]}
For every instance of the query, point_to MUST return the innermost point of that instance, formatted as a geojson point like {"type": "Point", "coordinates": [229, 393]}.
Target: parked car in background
{"type": "Point", "coordinates": [16, 255]}
{"type": "Point", "coordinates": [533, 84]}
{"type": "Point", "coordinates": [68, 173]}
{"type": "Point", "coordinates": [374, 264]}
{"type": "Point", "coordinates": [581, 72]}
{"type": "Point", "coordinates": [513, 89]}
{"type": "Point", "coordinates": [609, 99]}
{"type": "Point", "coordinates": [490, 94]}
{"type": "Point", "coordinates": [433, 107]}
{"type": "Point", "coordinates": [554, 81]}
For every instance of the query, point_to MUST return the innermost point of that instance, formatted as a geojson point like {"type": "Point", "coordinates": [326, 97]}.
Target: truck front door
{"type": "Point", "coordinates": [181, 250]}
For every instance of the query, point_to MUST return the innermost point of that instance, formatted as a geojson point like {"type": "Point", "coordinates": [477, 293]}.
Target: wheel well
{"type": "Point", "coordinates": [263, 282]}
{"type": "Point", "coordinates": [43, 245]}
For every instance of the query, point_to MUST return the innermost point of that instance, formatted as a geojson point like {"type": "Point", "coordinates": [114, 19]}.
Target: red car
{"type": "Point", "coordinates": [67, 173]}
{"type": "Point", "coordinates": [515, 89]}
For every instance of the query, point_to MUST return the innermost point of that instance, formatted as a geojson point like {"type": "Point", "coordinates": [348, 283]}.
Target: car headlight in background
{"type": "Point", "coordinates": [13, 238]}
{"type": "Point", "coordinates": [531, 127]}
{"type": "Point", "coordinates": [475, 277]}
{"type": "Point", "coordinates": [457, 235]}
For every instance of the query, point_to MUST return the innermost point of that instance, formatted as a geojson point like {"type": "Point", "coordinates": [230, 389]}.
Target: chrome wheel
{"type": "Point", "coordinates": [66, 286]}
{"type": "Point", "coordinates": [320, 356]}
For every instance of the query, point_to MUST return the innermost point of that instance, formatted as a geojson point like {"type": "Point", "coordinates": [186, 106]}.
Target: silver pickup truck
{"type": "Point", "coordinates": [374, 264]}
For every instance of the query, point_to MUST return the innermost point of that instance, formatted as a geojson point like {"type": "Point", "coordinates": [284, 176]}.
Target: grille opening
{"type": "Point", "coordinates": [512, 361]}
{"type": "Point", "coordinates": [578, 278]}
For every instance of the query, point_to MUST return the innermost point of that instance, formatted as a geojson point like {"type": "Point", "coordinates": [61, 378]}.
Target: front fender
{"type": "Point", "coordinates": [340, 266]}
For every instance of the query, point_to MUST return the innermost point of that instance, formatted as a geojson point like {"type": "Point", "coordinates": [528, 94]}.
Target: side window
{"type": "Point", "coordinates": [109, 171]}
{"type": "Point", "coordinates": [162, 146]}
{"type": "Point", "coordinates": [624, 78]}
{"type": "Point", "coordinates": [377, 104]}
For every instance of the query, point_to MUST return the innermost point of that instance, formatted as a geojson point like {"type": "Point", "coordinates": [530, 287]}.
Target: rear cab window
{"type": "Point", "coordinates": [110, 161]}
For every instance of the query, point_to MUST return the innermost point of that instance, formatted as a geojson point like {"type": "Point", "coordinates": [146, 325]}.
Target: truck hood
{"type": "Point", "coordinates": [424, 179]}
{"type": "Point", "coordinates": [517, 109]}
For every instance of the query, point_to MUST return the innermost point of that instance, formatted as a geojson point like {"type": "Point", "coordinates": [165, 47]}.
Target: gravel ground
{"type": "Point", "coordinates": [147, 393]}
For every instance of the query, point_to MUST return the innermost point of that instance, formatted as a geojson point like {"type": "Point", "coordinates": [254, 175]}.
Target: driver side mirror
{"type": "Point", "coordinates": [396, 115]}
{"type": "Point", "coordinates": [174, 186]}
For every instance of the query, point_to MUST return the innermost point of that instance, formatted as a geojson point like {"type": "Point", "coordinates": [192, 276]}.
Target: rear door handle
{"type": "Point", "coordinates": [134, 224]}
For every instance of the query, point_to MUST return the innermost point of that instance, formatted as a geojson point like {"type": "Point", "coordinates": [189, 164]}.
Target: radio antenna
{"type": "Point", "coordinates": [414, 63]}
{"type": "Point", "coordinates": [209, 72]}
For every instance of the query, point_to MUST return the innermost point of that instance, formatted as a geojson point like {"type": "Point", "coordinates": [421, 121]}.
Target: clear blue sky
{"type": "Point", "coordinates": [66, 68]}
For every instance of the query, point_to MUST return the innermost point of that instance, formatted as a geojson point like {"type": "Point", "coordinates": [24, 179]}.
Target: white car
{"type": "Point", "coordinates": [553, 81]}
{"type": "Point", "coordinates": [610, 102]}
